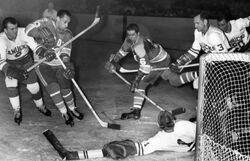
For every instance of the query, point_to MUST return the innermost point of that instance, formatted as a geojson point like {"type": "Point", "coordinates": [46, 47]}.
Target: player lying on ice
{"type": "Point", "coordinates": [175, 135]}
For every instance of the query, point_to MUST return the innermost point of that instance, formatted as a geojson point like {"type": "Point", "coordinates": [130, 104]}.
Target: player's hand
{"type": "Point", "coordinates": [69, 72]}
{"type": "Point", "coordinates": [50, 55]}
{"type": "Point", "coordinates": [175, 67]}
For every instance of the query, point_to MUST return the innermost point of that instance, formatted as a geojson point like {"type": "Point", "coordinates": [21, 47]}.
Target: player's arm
{"type": "Point", "coordinates": [40, 32]}
{"type": "Point", "coordinates": [113, 62]}
{"type": "Point", "coordinates": [243, 22]}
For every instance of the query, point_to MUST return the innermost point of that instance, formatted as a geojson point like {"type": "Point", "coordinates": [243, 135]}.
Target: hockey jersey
{"type": "Point", "coordinates": [61, 37]}
{"type": "Point", "coordinates": [145, 52]}
{"type": "Point", "coordinates": [238, 37]}
{"type": "Point", "coordinates": [214, 40]}
{"type": "Point", "coordinates": [17, 49]}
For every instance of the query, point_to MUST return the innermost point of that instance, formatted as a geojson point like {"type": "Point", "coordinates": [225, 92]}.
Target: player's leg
{"type": "Point", "coordinates": [138, 99]}
{"type": "Point", "coordinates": [179, 79]}
{"type": "Point", "coordinates": [34, 88]}
{"type": "Point", "coordinates": [47, 76]}
{"type": "Point", "coordinates": [13, 93]}
{"type": "Point", "coordinates": [67, 94]}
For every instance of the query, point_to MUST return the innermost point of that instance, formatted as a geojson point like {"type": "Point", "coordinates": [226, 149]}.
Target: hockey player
{"type": "Point", "coordinates": [149, 55]}
{"type": "Point", "coordinates": [176, 136]}
{"type": "Point", "coordinates": [208, 38]}
{"type": "Point", "coordinates": [15, 59]}
{"type": "Point", "coordinates": [51, 35]}
{"type": "Point", "coordinates": [235, 31]}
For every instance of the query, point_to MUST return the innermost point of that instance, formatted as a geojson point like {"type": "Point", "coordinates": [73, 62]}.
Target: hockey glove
{"type": "Point", "coordinates": [69, 72]}
{"type": "Point", "coordinates": [136, 81]}
{"type": "Point", "coordinates": [175, 67]}
{"type": "Point", "coordinates": [183, 60]}
{"type": "Point", "coordinates": [16, 73]}
{"type": "Point", "coordinates": [112, 63]}
{"type": "Point", "coordinates": [48, 54]}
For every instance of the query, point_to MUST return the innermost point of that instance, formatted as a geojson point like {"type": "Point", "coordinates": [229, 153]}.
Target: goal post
{"type": "Point", "coordinates": [223, 112]}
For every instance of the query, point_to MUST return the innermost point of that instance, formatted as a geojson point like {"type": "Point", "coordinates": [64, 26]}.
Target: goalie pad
{"type": "Point", "coordinates": [119, 149]}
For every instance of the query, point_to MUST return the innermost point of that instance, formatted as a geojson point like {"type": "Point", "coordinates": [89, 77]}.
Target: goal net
{"type": "Point", "coordinates": [223, 113]}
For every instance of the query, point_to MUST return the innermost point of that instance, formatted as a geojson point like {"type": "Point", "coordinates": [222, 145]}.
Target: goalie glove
{"type": "Point", "coordinates": [112, 63]}
{"type": "Point", "coordinates": [43, 52]}
{"type": "Point", "coordinates": [69, 72]}
{"type": "Point", "coordinates": [16, 73]}
{"type": "Point", "coordinates": [183, 60]}
{"type": "Point", "coordinates": [119, 149]}
{"type": "Point", "coordinates": [136, 81]}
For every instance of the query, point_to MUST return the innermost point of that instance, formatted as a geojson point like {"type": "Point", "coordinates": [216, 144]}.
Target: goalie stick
{"type": "Point", "coordinates": [177, 111]}
{"type": "Point", "coordinates": [123, 70]}
{"type": "Point", "coordinates": [96, 21]}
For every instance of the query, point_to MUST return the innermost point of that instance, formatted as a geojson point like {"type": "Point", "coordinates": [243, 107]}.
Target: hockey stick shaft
{"type": "Point", "coordinates": [143, 95]}
{"type": "Point", "coordinates": [123, 70]}
{"type": "Point", "coordinates": [96, 21]}
{"type": "Point", "coordinates": [103, 124]}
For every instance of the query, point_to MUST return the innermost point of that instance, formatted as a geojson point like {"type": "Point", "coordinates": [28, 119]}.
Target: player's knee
{"type": "Point", "coordinates": [11, 82]}
{"type": "Point", "coordinates": [165, 75]}
{"type": "Point", "coordinates": [53, 88]}
{"type": "Point", "coordinates": [33, 88]}
{"type": "Point", "coordinates": [12, 91]}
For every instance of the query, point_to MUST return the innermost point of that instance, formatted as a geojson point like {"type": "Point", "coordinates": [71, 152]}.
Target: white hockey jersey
{"type": "Point", "coordinates": [238, 37]}
{"type": "Point", "coordinates": [214, 40]}
{"type": "Point", "coordinates": [17, 49]}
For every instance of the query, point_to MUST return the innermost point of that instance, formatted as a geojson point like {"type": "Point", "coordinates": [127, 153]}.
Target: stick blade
{"type": "Point", "coordinates": [114, 126]}
{"type": "Point", "coordinates": [178, 111]}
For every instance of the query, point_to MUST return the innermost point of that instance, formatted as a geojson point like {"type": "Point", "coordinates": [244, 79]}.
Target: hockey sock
{"type": "Point", "coordinates": [68, 98]}
{"type": "Point", "coordinates": [138, 99]}
{"type": "Point", "coordinates": [54, 92]}
{"type": "Point", "coordinates": [188, 77]}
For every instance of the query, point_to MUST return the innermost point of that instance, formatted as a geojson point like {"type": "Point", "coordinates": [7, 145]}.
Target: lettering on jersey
{"type": "Point", "coordinates": [59, 42]}
{"type": "Point", "coordinates": [237, 42]}
{"type": "Point", "coordinates": [18, 51]}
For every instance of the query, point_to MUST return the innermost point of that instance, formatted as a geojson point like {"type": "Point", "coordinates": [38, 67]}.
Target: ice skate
{"type": "Point", "coordinates": [77, 114]}
{"type": "Point", "coordinates": [135, 114]}
{"type": "Point", "coordinates": [18, 116]}
{"type": "Point", "coordinates": [44, 111]}
{"type": "Point", "coordinates": [68, 119]}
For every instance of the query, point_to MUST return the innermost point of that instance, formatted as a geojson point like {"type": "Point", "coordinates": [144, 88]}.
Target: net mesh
{"type": "Point", "coordinates": [224, 108]}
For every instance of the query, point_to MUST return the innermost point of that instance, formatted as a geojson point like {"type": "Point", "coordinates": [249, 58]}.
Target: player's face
{"type": "Point", "coordinates": [199, 24]}
{"type": "Point", "coordinates": [63, 22]}
{"type": "Point", "coordinates": [132, 35]}
{"type": "Point", "coordinates": [11, 31]}
{"type": "Point", "coordinates": [223, 25]}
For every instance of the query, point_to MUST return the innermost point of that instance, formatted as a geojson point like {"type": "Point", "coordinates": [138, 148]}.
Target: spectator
{"type": "Point", "coordinates": [50, 12]}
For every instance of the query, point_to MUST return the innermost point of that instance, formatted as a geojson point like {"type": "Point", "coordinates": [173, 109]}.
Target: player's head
{"type": "Point", "coordinates": [50, 5]}
{"type": "Point", "coordinates": [166, 121]}
{"type": "Point", "coordinates": [133, 32]}
{"type": "Point", "coordinates": [63, 19]}
{"type": "Point", "coordinates": [10, 27]}
{"type": "Point", "coordinates": [223, 21]}
{"type": "Point", "coordinates": [201, 22]}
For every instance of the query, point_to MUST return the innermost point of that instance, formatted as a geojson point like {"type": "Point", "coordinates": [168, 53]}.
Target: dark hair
{"type": "Point", "coordinates": [224, 16]}
{"type": "Point", "coordinates": [8, 20]}
{"type": "Point", "coordinates": [63, 12]}
{"type": "Point", "coordinates": [134, 27]}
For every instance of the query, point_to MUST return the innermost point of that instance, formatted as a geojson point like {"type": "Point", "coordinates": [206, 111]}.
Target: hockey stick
{"type": "Point", "coordinates": [123, 70]}
{"type": "Point", "coordinates": [178, 110]}
{"type": "Point", "coordinates": [103, 124]}
{"type": "Point", "coordinates": [96, 21]}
